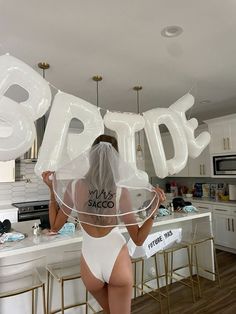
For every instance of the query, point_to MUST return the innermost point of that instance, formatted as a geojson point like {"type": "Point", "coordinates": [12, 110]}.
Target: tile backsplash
{"type": "Point", "coordinates": [29, 188]}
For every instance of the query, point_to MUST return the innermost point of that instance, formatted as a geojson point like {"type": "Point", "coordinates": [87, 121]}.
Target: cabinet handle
{"type": "Point", "coordinates": [228, 142]}
{"type": "Point", "coordinates": [228, 224]}
{"type": "Point", "coordinates": [221, 210]}
{"type": "Point", "coordinates": [224, 143]}
{"type": "Point", "coordinates": [233, 225]}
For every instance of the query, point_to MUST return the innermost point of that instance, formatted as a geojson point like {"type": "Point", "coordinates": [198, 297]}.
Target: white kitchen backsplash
{"type": "Point", "coordinates": [30, 188]}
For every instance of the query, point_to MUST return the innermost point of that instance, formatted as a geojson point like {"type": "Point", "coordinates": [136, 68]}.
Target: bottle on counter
{"type": "Point", "coordinates": [174, 189]}
{"type": "Point", "coordinates": [36, 229]}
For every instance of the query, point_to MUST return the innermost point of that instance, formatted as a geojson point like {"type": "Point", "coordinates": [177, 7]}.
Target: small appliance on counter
{"type": "Point", "coordinates": [206, 190]}
{"type": "Point", "coordinates": [32, 210]}
{"type": "Point", "coordinates": [197, 190]}
{"type": "Point", "coordinates": [5, 226]}
{"type": "Point", "coordinates": [213, 190]}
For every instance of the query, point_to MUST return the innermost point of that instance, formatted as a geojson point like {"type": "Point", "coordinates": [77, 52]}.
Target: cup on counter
{"type": "Point", "coordinates": [35, 228]}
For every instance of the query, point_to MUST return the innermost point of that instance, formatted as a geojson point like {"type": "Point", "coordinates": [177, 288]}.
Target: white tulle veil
{"type": "Point", "coordinates": [99, 188]}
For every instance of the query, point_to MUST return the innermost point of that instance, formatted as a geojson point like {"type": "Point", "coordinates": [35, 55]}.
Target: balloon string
{"type": "Point", "coordinates": [194, 87]}
{"type": "Point", "coordinates": [53, 86]}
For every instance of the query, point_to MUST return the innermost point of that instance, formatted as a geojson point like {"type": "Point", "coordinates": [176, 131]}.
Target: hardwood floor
{"type": "Point", "coordinates": [214, 300]}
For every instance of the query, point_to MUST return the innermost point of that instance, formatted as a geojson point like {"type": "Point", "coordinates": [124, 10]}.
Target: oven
{"type": "Point", "coordinates": [32, 210]}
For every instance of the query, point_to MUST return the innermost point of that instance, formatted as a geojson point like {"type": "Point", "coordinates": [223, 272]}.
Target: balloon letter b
{"type": "Point", "coordinates": [17, 130]}
{"type": "Point", "coordinates": [59, 146]}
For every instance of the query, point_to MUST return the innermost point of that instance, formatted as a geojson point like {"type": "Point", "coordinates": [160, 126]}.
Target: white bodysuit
{"type": "Point", "coordinates": [101, 253]}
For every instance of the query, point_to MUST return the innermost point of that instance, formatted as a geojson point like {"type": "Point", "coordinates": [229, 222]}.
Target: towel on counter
{"type": "Point", "coordinates": [189, 209]}
{"type": "Point", "coordinates": [68, 228]}
{"type": "Point", "coordinates": [11, 237]}
{"type": "Point", "coordinates": [162, 211]}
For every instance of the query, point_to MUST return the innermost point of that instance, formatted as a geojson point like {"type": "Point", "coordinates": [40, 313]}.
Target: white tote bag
{"type": "Point", "coordinates": [155, 242]}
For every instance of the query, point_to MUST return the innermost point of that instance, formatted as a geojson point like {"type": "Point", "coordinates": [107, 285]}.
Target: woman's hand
{"type": "Point", "coordinates": [46, 179]}
{"type": "Point", "coordinates": [161, 194]}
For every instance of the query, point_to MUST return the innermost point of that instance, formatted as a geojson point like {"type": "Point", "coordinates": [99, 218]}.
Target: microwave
{"type": "Point", "coordinates": [224, 165]}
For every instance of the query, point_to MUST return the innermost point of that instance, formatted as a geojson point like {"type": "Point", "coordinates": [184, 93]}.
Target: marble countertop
{"type": "Point", "coordinates": [36, 243]}
{"type": "Point", "coordinates": [205, 200]}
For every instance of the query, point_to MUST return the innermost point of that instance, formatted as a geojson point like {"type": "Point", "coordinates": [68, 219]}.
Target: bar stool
{"type": "Point", "coordinates": [19, 278]}
{"type": "Point", "coordinates": [202, 234]}
{"type": "Point", "coordinates": [144, 283]}
{"type": "Point", "coordinates": [67, 270]}
{"type": "Point", "coordinates": [174, 273]}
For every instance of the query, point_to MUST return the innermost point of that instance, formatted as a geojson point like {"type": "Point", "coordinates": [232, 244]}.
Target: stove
{"type": "Point", "coordinates": [32, 210]}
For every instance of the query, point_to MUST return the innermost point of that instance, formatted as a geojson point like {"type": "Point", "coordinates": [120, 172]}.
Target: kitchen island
{"type": "Point", "coordinates": [54, 246]}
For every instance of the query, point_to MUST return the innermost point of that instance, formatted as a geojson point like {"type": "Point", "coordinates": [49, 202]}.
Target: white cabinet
{"type": "Point", "coordinates": [7, 171]}
{"type": "Point", "coordinates": [224, 224]}
{"type": "Point", "coordinates": [200, 166]}
{"type": "Point", "coordinates": [201, 205]}
{"type": "Point", "coordinates": [222, 132]}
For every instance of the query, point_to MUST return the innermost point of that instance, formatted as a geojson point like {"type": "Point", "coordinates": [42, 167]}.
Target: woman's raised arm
{"type": "Point", "coordinates": [57, 216]}
{"type": "Point", "coordinates": [138, 233]}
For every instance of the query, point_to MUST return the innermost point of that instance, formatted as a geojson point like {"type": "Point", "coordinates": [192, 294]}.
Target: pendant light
{"type": "Point", "coordinates": [139, 150]}
{"type": "Point", "coordinates": [97, 79]}
{"type": "Point", "coordinates": [44, 66]}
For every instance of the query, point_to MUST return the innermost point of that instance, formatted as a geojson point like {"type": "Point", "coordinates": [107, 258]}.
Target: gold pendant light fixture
{"type": "Point", "coordinates": [139, 148]}
{"type": "Point", "coordinates": [44, 66]}
{"type": "Point", "coordinates": [97, 79]}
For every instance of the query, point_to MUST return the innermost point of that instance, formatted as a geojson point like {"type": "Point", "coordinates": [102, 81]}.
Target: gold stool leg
{"type": "Point", "coordinates": [62, 296]}
{"type": "Point", "coordinates": [142, 278]}
{"type": "Point", "coordinates": [44, 299]}
{"type": "Point", "coordinates": [197, 271]}
{"type": "Point", "coordinates": [171, 265]}
{"type": "Point", "coordinates": [33, 301]}
{"type": "Point", "coordinates": [166, 269]}
{"type": "Point", "coordinates": [166, 262]}
{"type": "Point", "coordinates": [86, 300]}
{"type": "Point", "coordinates": [135, 280]}
{"type": "Point", "coordinates": [48, 291]}
{"type": "Point", "coordinates": [190, 273]}
{"type": "Point", "coordinates": [216, 264]}
{"type": "Point", "coordinates": [158, 284]}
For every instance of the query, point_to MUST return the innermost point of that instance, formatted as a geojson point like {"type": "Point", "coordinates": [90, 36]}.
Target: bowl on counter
{"type": "Point", "coordinates": [189, 195]}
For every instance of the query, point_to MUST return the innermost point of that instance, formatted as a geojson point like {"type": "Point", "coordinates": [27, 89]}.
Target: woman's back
{"type": "Point", "coordinates": [89, 202]}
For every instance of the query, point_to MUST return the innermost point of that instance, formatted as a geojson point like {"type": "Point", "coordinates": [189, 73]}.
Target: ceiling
{"type": "Point", "coordinates": [122, 41]}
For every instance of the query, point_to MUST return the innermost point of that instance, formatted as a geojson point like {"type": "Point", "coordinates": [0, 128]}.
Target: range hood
{"type": "Point", "coordinates": [32, 154]}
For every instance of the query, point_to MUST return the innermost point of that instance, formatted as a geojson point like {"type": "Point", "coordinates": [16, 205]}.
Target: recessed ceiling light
{"type": "Point", "coordinates": [172, 31]}
{"type": "Point", "coordinates": [205, 102]}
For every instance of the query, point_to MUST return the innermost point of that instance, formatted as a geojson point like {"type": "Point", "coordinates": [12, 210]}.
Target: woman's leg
{"type": "Point", "coordinates": [95, 286]}
{"type": "Point", "coordinates": [120, 284]}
